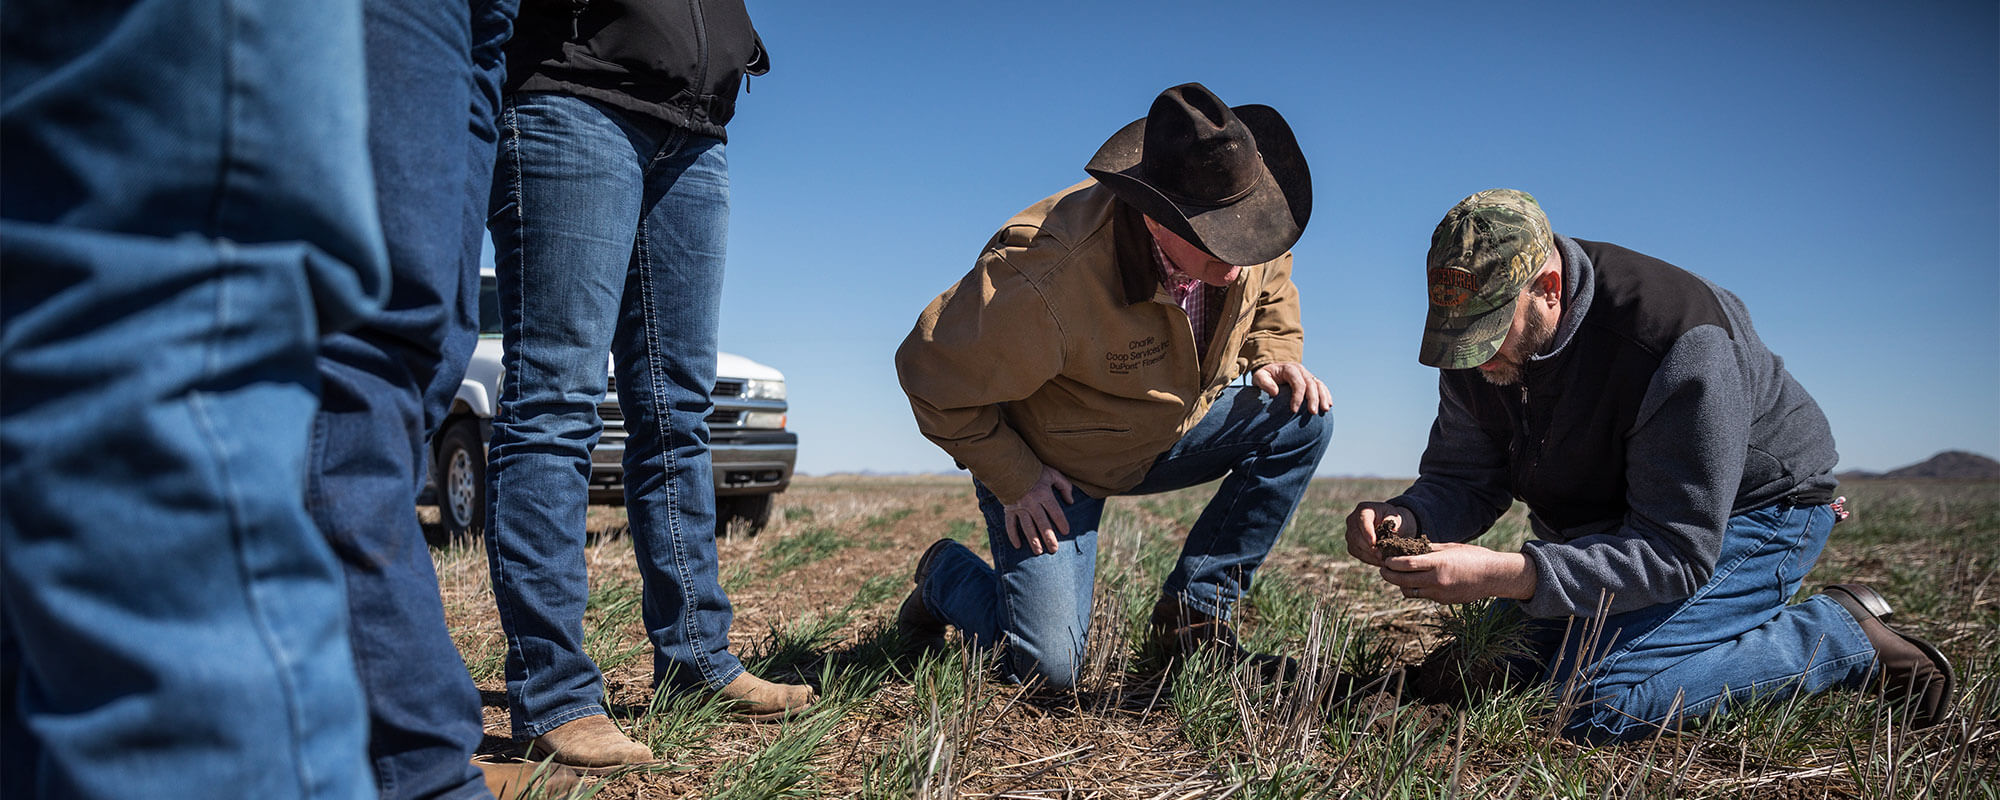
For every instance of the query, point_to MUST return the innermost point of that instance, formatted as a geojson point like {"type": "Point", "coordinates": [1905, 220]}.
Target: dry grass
{"type": "Point", "coordinates": [816, 592]}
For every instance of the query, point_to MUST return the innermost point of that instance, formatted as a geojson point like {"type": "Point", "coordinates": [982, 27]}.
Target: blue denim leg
{"type": "Point", "coordinates": [387, 384]}
{"type": "Point", "coordinates": [1268, 453]}
{"type": "Point", "coordinates": [665, 347]}
{"type": "Point", "coordinates": [561, 273]}
{"type": "Point", "coordinates": [176, 239]}
{"type": "Point", "coordinates": [597, 263]}
{"type": "Point", "coordinates": [1733, 641]}
{"type": "Point", "coordinates": [1038, 605]}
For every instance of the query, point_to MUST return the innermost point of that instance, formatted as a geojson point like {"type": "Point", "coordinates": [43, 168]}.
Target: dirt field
{"type": "Point", "coordinates": [815, 595]}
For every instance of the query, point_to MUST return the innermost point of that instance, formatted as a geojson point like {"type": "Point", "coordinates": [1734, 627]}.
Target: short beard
{"type": "Point", "coordinates": [1510, 362]}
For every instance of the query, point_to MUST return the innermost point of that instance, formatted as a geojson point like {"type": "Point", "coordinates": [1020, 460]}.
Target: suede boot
{"type": "Point", "coordinates": [921, 630]}
{"type": "Point", "coordinates": [1907, 668]}
{"type": "Point", "coordinates": [592, 741]}
{"type": "Point", "coordinates": [1179, 632]}
{"type": "Point", "coordinates": [513, 779]}
{"type": "Point", "coordinates": [758, 700]}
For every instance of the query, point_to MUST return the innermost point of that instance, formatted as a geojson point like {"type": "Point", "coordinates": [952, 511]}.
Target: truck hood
{"type": "Point", "coordinates": [486, 364]}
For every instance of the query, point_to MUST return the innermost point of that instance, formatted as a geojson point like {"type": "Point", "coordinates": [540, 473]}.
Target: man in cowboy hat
{"type": "Point", "coordinates": [1678, 482]}
{"type": "Point", "coordinates": [1091, 352]}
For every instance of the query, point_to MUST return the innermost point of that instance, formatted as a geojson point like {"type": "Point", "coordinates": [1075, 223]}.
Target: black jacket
{"type": "Point", "coordinates": [1658, 416]}
{"type": "Point", "coordinates": [679, 61]}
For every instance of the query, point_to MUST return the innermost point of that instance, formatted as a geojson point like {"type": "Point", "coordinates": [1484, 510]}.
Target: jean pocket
{"type": "Point", "coordinates": [1808, 541]}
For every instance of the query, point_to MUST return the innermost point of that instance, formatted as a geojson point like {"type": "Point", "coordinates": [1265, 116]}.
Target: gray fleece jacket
{"type": "Point", "coordinates": [1656, 415]}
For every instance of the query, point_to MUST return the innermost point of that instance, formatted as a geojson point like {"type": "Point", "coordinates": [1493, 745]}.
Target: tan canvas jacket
{"type": "Point", "coordinates": [1062, 347]}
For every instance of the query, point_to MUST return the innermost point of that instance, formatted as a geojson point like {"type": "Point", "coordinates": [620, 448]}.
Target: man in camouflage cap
{"type": "Point", "coordinates": [1678, 482]}
{"type": "Point", "coordinates": [1481, 256]}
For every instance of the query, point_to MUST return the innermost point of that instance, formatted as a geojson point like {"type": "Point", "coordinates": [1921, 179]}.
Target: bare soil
{"type": "Point", "coordinates": [1389, 544]}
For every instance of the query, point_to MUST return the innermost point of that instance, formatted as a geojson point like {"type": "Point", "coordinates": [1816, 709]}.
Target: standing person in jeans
{"type": "Point", "coordinates": [1678, 479]}
{"type": "Point", "coordinates": [1091, 352]}
{"type": "Point", "coordinates": [610, 215]}
{"type": "Point", "coordinates": [433, 81]}
{"type": "Point", "coordinates": [187, 208]}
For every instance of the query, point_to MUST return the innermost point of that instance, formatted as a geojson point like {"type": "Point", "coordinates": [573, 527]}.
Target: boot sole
{"type": "Point", "coordinates": [1870, 600]}
{"type": "Point", "coordinates": [543, 776]}
{"type": "Point", "coordinates": [536, 753]}
{"type": "Point", "coordinates": [771, 716]}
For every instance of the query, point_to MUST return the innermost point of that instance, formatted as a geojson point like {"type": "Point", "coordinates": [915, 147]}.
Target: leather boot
{"type": "Point", "coordinates": [921, 630]}
{"type": "Point", "coordinates": [1907, 668]}
{"type": "Point", "coordinates": [1179, 631]}
{"type": "Point", "coordinates": [592, 741]}
{"type": "Point", "coordinates": [513, 779]}
{"type": "Point", "coordinates": [758, 700]}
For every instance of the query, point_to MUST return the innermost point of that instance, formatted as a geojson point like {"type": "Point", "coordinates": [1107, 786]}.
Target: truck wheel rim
{"type": "Point", "coordinates": [460, 492]}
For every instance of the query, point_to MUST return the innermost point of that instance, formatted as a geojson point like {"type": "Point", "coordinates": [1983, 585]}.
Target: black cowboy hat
{"type": "Point", "coordinates": [1229, 180]}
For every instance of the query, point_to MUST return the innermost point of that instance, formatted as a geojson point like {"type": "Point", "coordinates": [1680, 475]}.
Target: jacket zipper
{"type": "Point", "coordinates": [1528, 432]}
{"type": "Point", "coordinates": [701, 48]}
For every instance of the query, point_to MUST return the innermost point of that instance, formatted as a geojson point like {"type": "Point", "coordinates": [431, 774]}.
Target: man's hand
{"type": "Point", "coordinates": [1361, 529]}
{"type": "Point", "coordinates": [1036, 518]}
{"type": "Point", "coordinates": [1308, 392]}
{"type": "Point", "coordinates": [1461, 573]}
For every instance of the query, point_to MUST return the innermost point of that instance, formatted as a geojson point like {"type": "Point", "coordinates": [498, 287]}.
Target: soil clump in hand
{"type": "Point", "coordinates": [1389, 544]}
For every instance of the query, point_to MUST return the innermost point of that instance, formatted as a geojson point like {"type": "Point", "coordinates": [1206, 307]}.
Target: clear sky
{"type": "Point", "coordinates": [1833, 163]}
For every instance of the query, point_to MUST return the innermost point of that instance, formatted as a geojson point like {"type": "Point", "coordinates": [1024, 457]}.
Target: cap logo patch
{"type": "Point", "coordinates": [1450, 288]}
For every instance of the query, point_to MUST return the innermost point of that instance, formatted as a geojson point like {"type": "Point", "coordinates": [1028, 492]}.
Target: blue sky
{"type": "Point", "coordinates": [1833, 163]}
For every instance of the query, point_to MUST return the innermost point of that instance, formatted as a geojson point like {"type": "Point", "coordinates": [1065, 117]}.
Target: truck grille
{"type": "Point", "coordinates": [719, 419]}
{"type": "Point", "coordinates": [725, 387]}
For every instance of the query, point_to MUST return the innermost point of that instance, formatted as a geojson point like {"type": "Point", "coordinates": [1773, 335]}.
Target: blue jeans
{"type": "Point", "coordinates": [187, 209]}
{"type": "Point", "coordinates": [1733, 641]}
{"type": "Point", "coordinates": [1039, 605]}
{"type": "Point", "coordinates": [610, 229]}
{"type": "Point", "coordinates": [434, 68]}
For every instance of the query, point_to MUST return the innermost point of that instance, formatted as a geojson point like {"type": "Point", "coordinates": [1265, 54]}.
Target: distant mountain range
{"type": "Point", "coordinates": [1950, 465]}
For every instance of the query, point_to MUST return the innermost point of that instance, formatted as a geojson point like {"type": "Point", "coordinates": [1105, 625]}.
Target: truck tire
{"type": "Point", "coordinates": [753, 509]}
{"type": "Point", "coordinates": [460, 475]}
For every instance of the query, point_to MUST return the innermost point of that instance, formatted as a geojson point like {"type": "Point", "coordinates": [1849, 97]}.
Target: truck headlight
{"type": "Point", "coordinates": [763, 390]}
{"type": "Point", "coordinates": [764, 420]}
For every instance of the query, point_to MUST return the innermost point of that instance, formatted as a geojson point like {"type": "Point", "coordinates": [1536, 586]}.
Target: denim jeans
{"type": "Point", "coordinates": [1733, 641]}
{"type": "Point", "coordinates": [187, 209]}
{"type": "Point", "coordinates": [1039, 605]}
{"type": "Point", "coordinates": [610, 229]}
{"type": "Point", "coordinates": [434, 68]}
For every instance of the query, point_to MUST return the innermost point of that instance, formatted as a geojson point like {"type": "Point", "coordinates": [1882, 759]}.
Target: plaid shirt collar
{"type": "Point", "coordinates": [1191, 295]}
{"type": "Point", "coordinates": [1178, 283]}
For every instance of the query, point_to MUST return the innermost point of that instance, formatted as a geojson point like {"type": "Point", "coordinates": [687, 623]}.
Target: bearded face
{"type": "Point", "coordinates": [1532, 333]}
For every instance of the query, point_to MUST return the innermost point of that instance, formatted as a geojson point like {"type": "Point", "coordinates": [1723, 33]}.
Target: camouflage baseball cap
{"type": "Point", "coordinates": [1482, 254]}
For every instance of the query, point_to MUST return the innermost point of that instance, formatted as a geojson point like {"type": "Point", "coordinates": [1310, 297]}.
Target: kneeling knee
{"type": "Point", "coordinates": [1061, 676]}
{"type": "Point", "coordinates": [1618, 715]}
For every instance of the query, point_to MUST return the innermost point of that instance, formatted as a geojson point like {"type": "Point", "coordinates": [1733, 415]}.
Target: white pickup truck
{"type": "Point", "coordinates": [752, 452]}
